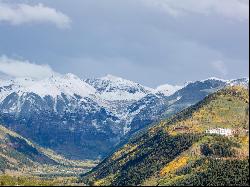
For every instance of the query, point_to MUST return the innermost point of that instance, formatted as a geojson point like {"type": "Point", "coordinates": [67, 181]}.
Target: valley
{"type": "Point", "coordinates": [124, 93]}
{"type": "Point", "coordinates": [21, 158]}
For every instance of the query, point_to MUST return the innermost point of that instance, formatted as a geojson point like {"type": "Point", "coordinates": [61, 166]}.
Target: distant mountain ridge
{"type": "Point", "coordinates": [87, 118]}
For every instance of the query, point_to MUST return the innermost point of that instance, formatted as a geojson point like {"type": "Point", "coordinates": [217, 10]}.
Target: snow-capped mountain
{"type": "Point", "coordinates": [241, 82]}
{"type": "Point", "coordinates": [53, 86]}
{"type": "Point", "coordinates": [87, 118]}
{"type": "Point", "coordinates": [117, 94]}
{"type": "Point", "coordinates": [54, 90]}
{"type": "Point", "coordinates": [56, 111]}
{"type": "Point", "coordinates": [114, 88]}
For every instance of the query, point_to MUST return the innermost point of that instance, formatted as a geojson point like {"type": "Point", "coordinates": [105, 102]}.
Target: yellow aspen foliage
{"type": "Point", "coordinates": [99, 182]}
{"type": "Point", "coordinates": [174, 165]}
{"type": "Point", "coordinates": [127, 149]}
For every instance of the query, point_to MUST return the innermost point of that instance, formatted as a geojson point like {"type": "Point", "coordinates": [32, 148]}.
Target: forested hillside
{"type": "Point", "coordinates": [194, 147]}
{"type": "Point", "coordinates": [19, 156]}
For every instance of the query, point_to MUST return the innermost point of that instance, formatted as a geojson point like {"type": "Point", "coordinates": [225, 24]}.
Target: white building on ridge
{"type": "Point", "coordinates": [220, 131]}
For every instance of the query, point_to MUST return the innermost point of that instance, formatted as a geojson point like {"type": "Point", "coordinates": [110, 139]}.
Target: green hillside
{"type": "Point", "coordinates": [20, 157]}
{"type": "Point", "coordinates": [181, 151]}
{"type": "Point", "coordinates": [17, 152]}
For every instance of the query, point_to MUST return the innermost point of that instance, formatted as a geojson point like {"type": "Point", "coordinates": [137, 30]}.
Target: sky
{"type": "Point", "coordinates": [152, 42]}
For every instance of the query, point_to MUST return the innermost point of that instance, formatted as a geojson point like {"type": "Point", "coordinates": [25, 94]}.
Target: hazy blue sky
{"type": "Point", "coordinates": [148, 41]}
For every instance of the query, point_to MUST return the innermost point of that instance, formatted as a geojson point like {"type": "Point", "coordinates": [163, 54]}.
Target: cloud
{"type": "Point", "coordinates": [17, 14]}
{"type": "Point", "coordinates": [18, 68]}
{"type": "Point", "coordinates": [220, 66]}
{"type": "Point", "coordinates": [232, 9]}
{"type": "Point", "coordinates": [127, 37]}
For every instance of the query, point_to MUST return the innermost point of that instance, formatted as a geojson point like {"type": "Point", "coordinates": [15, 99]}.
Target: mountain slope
{"type": "Point", "coordinates": [16, 152]}
{"type": "Point", "coordinates": [21, 156]}
{"type": "Point", "coordinates": [179, 150]}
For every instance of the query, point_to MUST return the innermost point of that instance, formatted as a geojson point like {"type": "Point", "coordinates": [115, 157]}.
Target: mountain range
{"type": "Point", "coordinates": [86, 119]}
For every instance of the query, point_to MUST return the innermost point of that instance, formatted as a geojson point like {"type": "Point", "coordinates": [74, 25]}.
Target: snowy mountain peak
{"type": "Point", "coordinates": [214, 78]}
{"type": "Point", "coordinates": [53, 86]}
{"type": "Point", "coordinates": [118, 81]}
{"type": "Point", "coordinates": [167, 89]}
{"type": "Point", "coordinates": [210, 79]}
{"type": "Point", "coordinates": [114, 88]}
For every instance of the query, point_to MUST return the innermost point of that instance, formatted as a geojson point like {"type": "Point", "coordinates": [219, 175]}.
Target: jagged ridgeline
{"type": "Point", "coordinates": [194, 147]}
